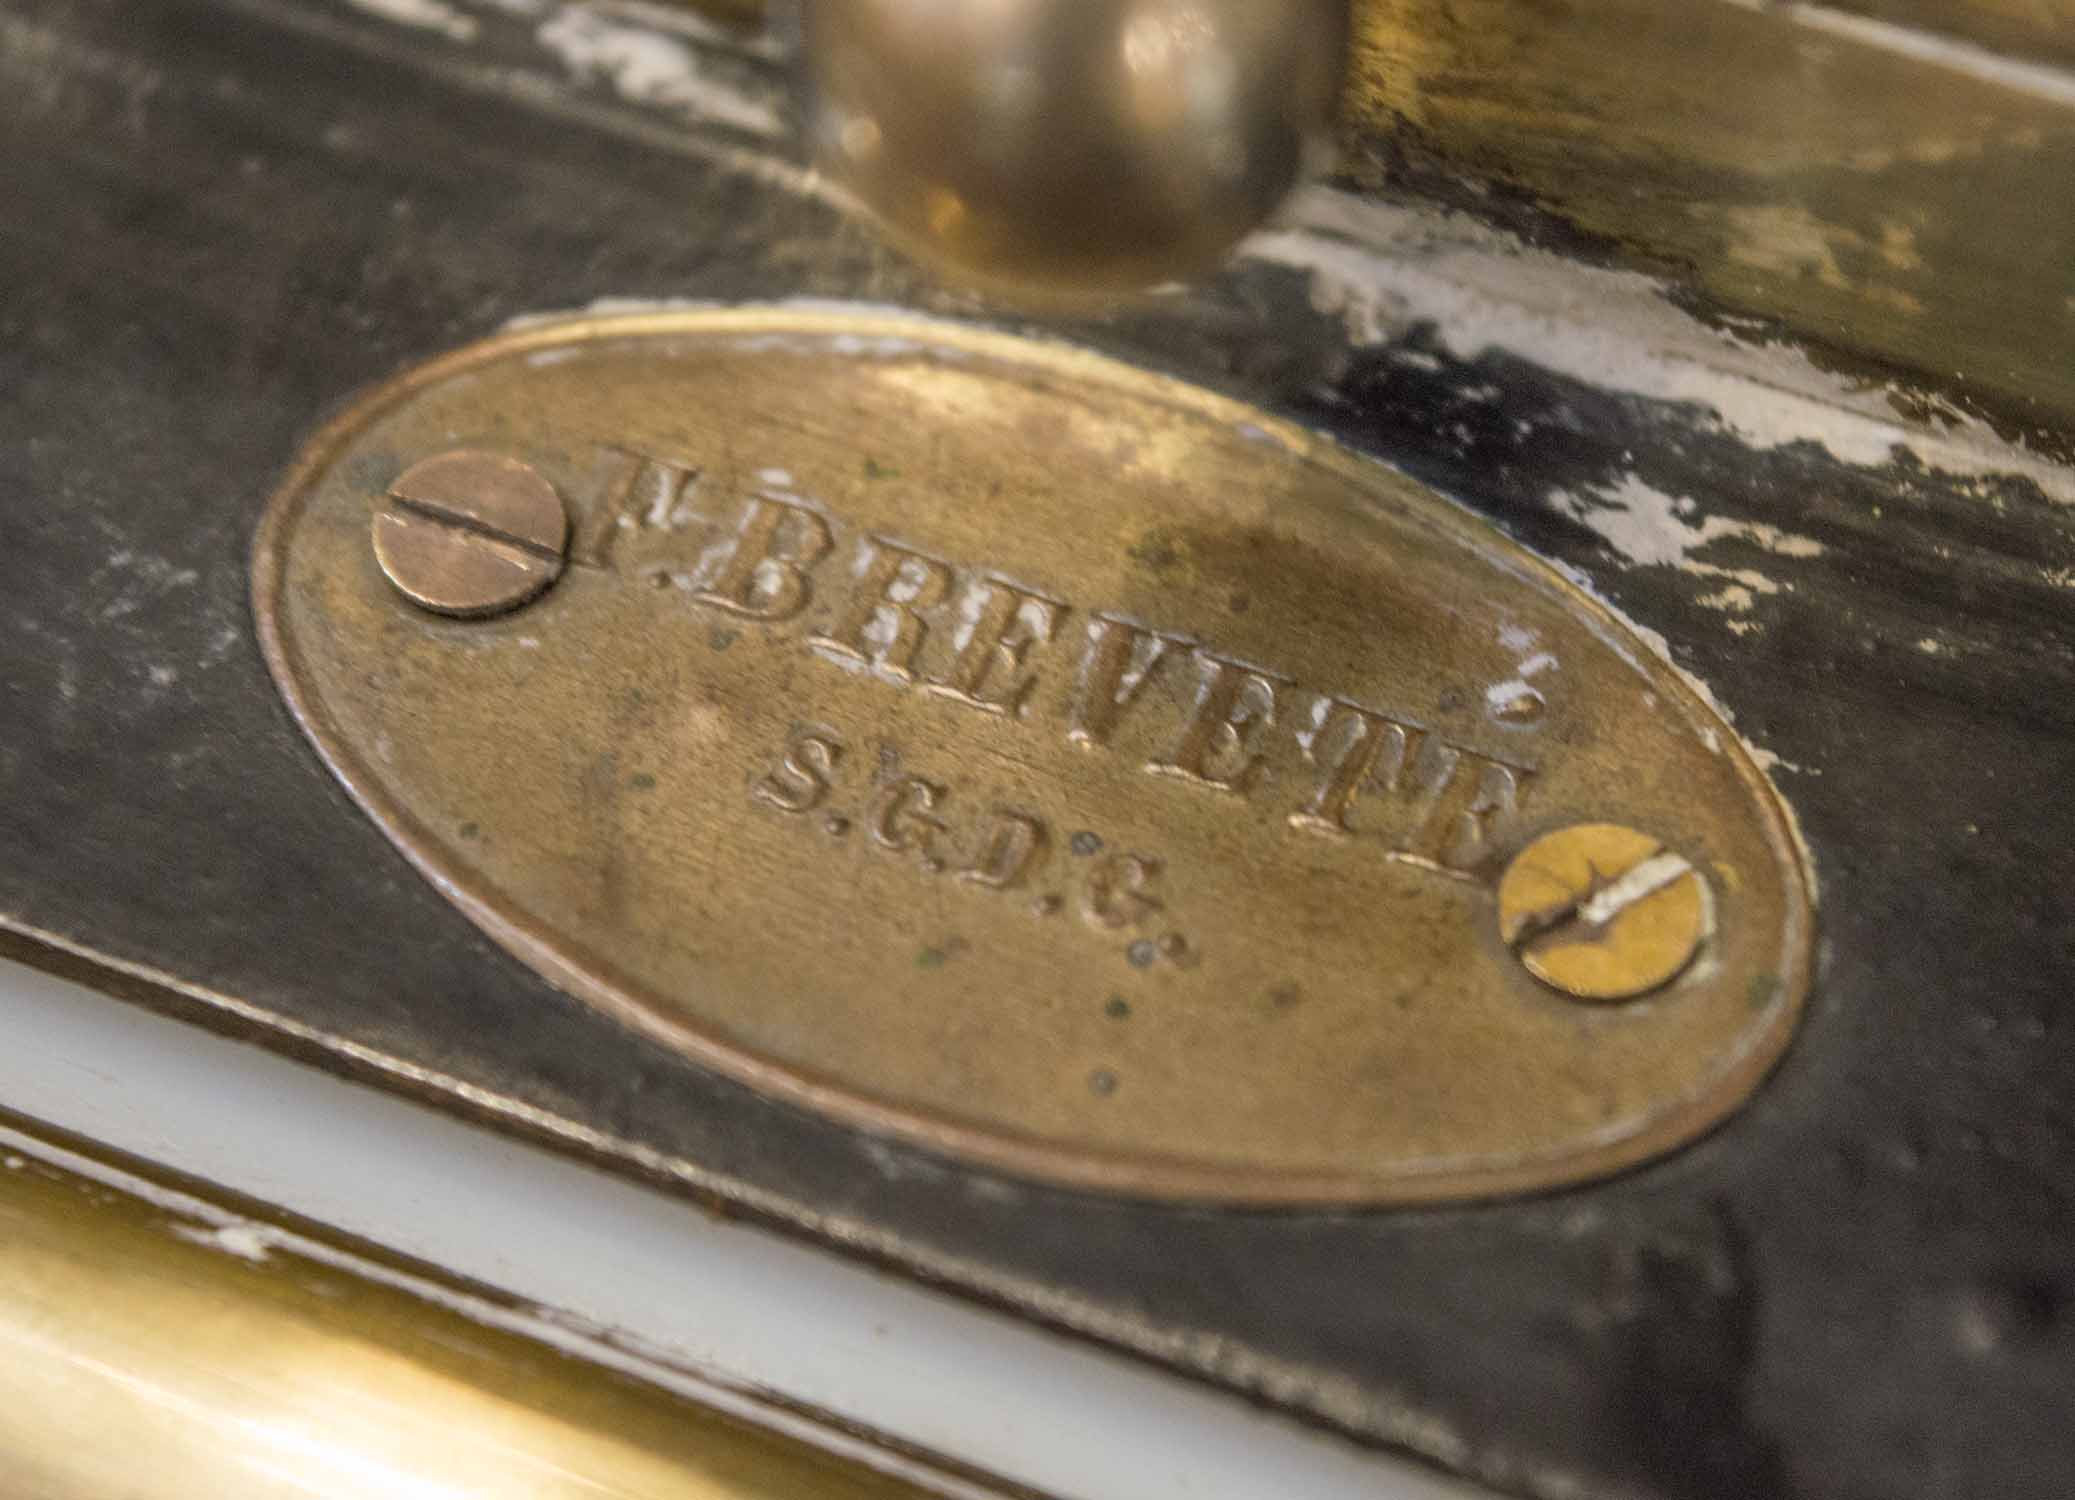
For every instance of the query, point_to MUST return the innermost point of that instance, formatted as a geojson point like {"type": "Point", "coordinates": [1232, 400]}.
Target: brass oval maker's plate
{"type": "Point", "coordinates": [1057, 765]}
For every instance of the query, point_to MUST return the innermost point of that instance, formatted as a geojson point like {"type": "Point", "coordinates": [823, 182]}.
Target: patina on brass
{"type": "Point", "coordinates": [1051, 763]}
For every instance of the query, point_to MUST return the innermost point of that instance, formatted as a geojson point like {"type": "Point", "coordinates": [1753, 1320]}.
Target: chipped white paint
{"type": "Point", "coordinates": [1739, 597]}
{"type": "Point", "coordinates": [1648, 528]}
{"type": "Point", "coordinates": [245, 1240]}
{"type": "Point", "coordinates": [1769, 763]}
{"type": "Point", "coordinates": [1656, 645]}
{"type": "Point", "coordinates": [1384, 269]}
{"type": "Point", "coordinates": [426, 15]}
{"type": "Point", "coordinates": [1518, 698]}
{"type": "Point", "coordinates": [648, 66]}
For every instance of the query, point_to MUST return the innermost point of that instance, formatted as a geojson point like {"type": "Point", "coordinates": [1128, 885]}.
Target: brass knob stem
{"type": "Point", "coordinates": [1073, 146]}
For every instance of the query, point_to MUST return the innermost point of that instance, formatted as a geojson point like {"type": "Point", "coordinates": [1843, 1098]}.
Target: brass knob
{"type": "Point", "coordinates": [1072, 146]}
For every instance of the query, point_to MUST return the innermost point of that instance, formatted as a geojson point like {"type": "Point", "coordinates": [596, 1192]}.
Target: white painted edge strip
{"type": "Point", "coordinates": [651, 1284]}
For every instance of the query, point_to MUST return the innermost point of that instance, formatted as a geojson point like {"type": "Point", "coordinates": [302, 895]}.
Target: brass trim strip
{"type": "Point", "coordinates": [158, 1344]}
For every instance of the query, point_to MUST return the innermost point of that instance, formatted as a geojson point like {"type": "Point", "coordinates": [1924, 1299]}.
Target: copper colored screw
{"type": "Point", "coordinates": [471, 534]}
{"type": "Point", "coordinates": [1602, 912]}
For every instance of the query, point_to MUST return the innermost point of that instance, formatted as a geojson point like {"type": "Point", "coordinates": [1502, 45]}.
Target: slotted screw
{"type": "Point", "coordinates": [471, 534]}
{"type": "Point", "coordinates": [1601, 912]}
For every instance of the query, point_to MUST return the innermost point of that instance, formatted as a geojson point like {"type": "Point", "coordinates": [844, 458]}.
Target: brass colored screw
{"type": "Point", "coordinates": [471, 534]}
{"type": "Point", "coordinates": [1602, 912]}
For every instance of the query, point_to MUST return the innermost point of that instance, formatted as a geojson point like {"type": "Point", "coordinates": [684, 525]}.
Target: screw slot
{"type": "Point", "coordinates": [471, 534]}
{"type": "Point", "coordinates": [1600, 912]}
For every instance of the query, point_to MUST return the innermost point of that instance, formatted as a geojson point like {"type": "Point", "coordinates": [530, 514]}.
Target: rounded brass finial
{"type": "Point", "coordinates": [1073, 146]}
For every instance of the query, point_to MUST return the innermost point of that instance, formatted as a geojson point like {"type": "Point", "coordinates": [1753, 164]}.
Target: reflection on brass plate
{"type": "Point", "coordinates": [995, 746]}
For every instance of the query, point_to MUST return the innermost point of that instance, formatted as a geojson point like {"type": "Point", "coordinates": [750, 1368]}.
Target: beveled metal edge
{"type": "Point", "coordinates": [1143, 1175]}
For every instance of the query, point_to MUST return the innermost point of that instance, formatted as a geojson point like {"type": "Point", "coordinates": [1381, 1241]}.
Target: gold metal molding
{"type": "Point", "coordinates": [157, 1346]}
{"type": "Point", "coordinates": [1889, 180]}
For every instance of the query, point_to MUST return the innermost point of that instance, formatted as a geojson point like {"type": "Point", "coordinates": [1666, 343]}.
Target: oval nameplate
{"type": "Point", "coordinates": [1053, 764]}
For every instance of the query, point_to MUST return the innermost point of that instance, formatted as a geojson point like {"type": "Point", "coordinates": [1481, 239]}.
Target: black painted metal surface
{"type": "Point", "coordinates": [222, 218]}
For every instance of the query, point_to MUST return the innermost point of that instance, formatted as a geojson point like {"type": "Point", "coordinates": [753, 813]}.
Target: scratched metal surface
{"type": "Point", "coordinates": [222, 218]}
